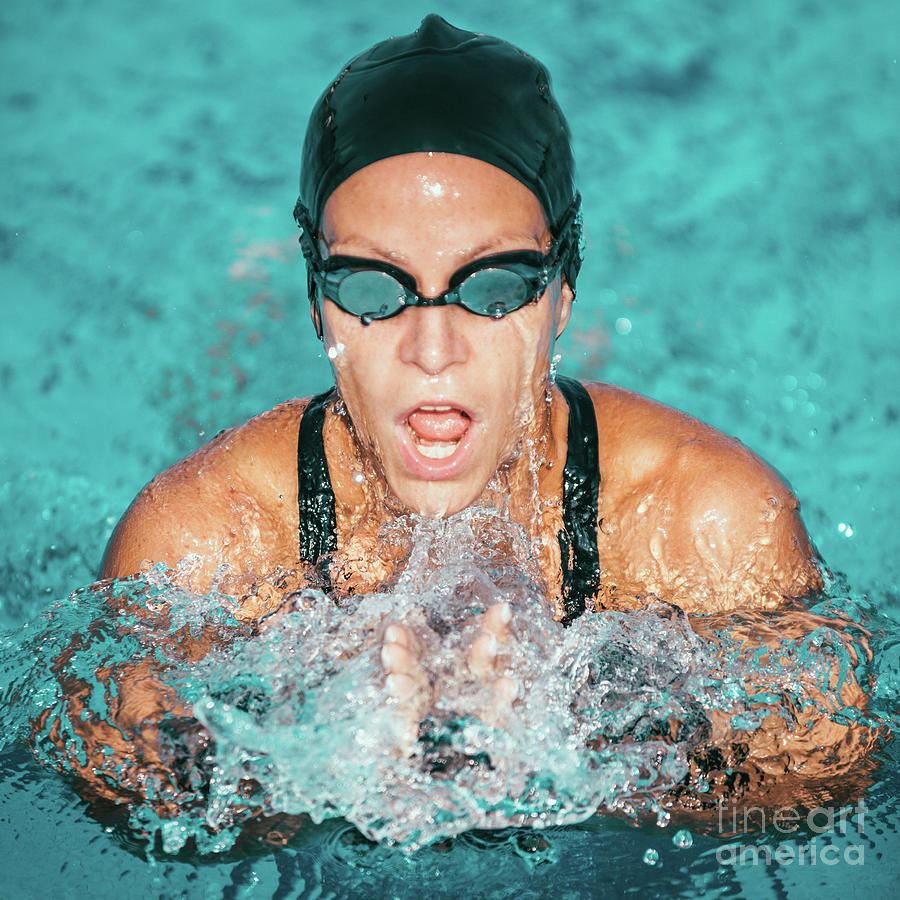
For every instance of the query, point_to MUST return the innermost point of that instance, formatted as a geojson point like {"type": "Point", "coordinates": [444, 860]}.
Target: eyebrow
{"type": "Point", "coordinates": [362, 246]}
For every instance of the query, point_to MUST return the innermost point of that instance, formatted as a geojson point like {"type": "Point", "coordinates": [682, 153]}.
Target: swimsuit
{"type": "Point", "coordinates": [581, 485]}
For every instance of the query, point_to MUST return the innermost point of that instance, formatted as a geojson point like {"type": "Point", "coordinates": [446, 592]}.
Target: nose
{"type": "Point", "coordinates": [434, 337]}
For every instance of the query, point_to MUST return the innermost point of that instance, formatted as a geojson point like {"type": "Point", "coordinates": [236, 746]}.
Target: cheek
{"type": "Point", "coordinates": [526, 342]}
{"type": "Point", "coordinates": [355, 352]}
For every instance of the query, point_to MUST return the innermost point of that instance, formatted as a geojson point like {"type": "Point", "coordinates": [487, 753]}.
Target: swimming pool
{"type": "Point", "coordinates": [741, 203]}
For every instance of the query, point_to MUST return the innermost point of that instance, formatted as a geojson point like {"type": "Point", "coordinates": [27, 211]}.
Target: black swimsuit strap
{"type": "Point", "coordinates": [581, 487]}
{"type": "Point", "coordinates": [315, 495]}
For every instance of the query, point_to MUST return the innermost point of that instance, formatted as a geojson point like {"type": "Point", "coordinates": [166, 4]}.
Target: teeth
{"type": "Point", "coordinates": [436, 451]}
{"type": "Point", "coordinates": [436, 408]}
{"type": "Point", "coordinates": [433, 449]}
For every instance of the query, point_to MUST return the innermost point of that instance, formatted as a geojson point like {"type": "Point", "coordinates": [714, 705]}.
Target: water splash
{"type": "Point", "coordinates": [293, 717]}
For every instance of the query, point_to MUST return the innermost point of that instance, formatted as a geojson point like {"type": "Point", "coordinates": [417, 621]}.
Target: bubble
{"type": "Point", "coordinates": [788, 382]}
{"type": "Point", "coordinates": [358, 477]}
{"type": "Point", "coordinates": [623, 325]}
{"type": "Point", "coordinates": [651, 857]}
{"type": "Point", "coordinates": [683, 839]}
{"type": "Point", "coordinates": [845, 529]}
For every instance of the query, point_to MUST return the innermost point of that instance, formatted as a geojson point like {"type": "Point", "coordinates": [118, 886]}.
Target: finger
{"type": "Point", "coordinates": [496, 620]}
{"type": "Point", "coordinates": [483, 654]}
{"type": "Point", "coordinates": [397, 634]}
{"type": "Point", "coordinates": [507, 689]}
{"type": "Point", "coordinates": [396, 658]}
{"type": "Point", "coordinates": [401, 685]}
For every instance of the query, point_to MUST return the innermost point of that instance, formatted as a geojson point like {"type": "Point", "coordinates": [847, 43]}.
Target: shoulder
{"type": "Point", "coordinates": [231, 502]}
{"type": "Point", "coordinates": [697, 506]}
{"type": "Point", "coordinates": [643, 440]}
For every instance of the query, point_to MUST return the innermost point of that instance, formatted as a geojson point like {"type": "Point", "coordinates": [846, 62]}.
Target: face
{"type": "Point", "coordinates": [442, 397]}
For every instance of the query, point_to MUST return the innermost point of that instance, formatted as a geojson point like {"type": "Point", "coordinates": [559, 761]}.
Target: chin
{"type": "Point", "coordinates": [435, 500]}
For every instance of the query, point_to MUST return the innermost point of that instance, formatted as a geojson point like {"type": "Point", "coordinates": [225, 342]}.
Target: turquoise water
{"type": "Point", "coordinates": [742, 207]}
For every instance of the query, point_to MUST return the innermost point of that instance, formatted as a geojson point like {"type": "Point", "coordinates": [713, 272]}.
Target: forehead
{"type": "Point", "coordinates": [433, 197]}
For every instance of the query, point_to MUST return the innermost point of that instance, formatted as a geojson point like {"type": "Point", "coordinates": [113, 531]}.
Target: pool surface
{"type": "Point", "coordinates": [742, 211]}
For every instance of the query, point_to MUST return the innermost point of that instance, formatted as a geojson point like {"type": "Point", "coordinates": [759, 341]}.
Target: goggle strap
{"type": "Point", "coordinates": [308, 243]}
{"type": "Point", "coordinates": [570, 236]}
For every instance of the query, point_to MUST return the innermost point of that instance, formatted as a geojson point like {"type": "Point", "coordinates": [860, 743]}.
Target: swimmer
{"type": "Point", "coordinates": [441, 229]}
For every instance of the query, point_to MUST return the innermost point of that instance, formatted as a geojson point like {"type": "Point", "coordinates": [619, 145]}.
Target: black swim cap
{"type": "Point", "coordinates": [446, 90]}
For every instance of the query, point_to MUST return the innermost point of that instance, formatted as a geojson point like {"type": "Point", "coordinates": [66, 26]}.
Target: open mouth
{"type": "Point", "coordinates": [436, 431]}
{"type": "Point", "coordinates": [437, 441]}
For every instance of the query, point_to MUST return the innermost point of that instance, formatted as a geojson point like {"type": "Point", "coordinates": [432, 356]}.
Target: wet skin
{"type": "Point", "coordinates": [437, 401]}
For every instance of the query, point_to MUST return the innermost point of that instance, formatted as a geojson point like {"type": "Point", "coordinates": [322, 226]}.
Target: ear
{"type": "Point", "coordinates": [316, 316]}
{"type": "Point", "coordinates": [563, 311]}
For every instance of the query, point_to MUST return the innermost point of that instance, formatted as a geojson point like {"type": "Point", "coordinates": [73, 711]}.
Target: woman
{"type": "Point", "coordinates": [440, 225]}
{"type": "Point", "coordinates": [441, 231]}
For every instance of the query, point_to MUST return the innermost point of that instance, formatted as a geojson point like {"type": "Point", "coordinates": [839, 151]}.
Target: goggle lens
{"type": "Point", "coordinates": [368, 293]}
{"type": "Point", "coordinates": [495, 292]}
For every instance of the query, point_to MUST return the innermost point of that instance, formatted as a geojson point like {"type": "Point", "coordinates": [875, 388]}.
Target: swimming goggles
{"type": "Point", "coordinates": [491, 286]}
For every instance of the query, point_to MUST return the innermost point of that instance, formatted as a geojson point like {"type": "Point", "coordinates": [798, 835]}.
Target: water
{"type": "Point", "coordinates": [741, 217]}
{"type": "Point", "coordinates": [608, 715]}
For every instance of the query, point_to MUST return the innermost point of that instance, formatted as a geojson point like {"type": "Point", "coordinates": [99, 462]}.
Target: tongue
{"type": "Point", "coordinates": [439, 426]}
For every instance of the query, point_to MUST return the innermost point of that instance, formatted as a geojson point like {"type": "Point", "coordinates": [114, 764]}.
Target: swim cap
{"type": "Point", "coordinates": [445, 90]}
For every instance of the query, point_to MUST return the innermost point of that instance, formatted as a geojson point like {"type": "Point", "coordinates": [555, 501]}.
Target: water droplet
{"type": "Point", "coordinates": [788, 382]}
{"type": "Point", "coordinates": [814, 381]}
{"type": "Point", "coordinates": [554, 364]}
{"type": "Point", "coordinates": [651, 857]}
{"type": "Point", "coordinates": [683, 839]}
{"type": "Point", "coordinates": [358, 477]}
